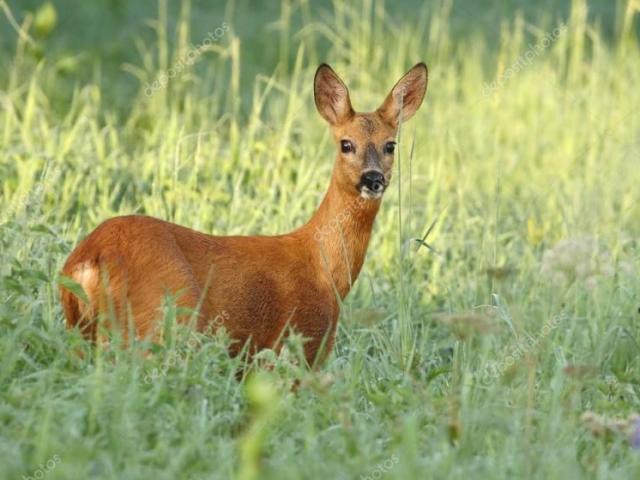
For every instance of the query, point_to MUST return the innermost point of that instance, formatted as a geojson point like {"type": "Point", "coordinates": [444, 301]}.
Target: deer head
{"type": "Point", "coordinates": [366, 141]}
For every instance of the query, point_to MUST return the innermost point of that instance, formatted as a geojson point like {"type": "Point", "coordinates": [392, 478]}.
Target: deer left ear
{"type": "Point", "coordinates": [406, 96]}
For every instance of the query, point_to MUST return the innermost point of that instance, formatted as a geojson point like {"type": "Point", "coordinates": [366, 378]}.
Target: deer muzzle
{"type": "Point", "coordinates": [372, 184]}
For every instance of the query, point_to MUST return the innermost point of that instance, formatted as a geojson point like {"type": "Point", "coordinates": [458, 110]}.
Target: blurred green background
{"type": "Point", "coordinates": [91, 40]}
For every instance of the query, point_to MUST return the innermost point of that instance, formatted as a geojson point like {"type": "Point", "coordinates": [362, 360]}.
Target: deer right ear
{"type": "Point", "coordinates": [331, 96]}
{"type": "Point", "coordinates": [406, 96]}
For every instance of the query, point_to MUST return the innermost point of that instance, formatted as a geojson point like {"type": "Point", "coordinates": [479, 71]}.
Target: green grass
{"type": "Point", "coordinates": [464, 360]}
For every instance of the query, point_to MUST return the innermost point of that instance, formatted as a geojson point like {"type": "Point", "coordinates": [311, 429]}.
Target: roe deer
{"type": "Point", "coordinates": [254, 286]}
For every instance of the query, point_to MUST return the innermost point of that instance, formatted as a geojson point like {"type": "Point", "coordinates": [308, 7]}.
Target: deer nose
{"type": "Point", "coordinates": [373, 180]}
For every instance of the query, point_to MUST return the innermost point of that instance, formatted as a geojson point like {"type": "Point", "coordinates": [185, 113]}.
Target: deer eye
{"type": "Point", "coordinates": [389, 147]}
{"type": "Point", "coordinates": [346, 146]}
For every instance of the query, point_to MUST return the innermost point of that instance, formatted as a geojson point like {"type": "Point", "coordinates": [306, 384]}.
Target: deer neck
{"type": "Point", "coordinates": [339, 232]}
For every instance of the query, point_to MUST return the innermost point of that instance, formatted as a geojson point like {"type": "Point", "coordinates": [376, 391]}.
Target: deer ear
{"type": "Point", "coordinates": [406, 96]}
{"type": "Point", "coordinates": [331, 96]}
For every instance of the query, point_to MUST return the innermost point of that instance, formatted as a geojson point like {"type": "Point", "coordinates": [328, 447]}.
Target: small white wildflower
{"type": "Point", "coordinates": [580, 258]}
{"type": "Point", "coordinates": [626, 268]}
{"type": "Point", "coordinates": [591, 282]}
{"type": "Point", "coordinates": [582, 269]}
{"type": "Point", "coordinates": [559, 278]}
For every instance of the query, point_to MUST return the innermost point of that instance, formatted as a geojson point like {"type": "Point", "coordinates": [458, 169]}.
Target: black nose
{"type": "Point", "coordinates": [373, 180]}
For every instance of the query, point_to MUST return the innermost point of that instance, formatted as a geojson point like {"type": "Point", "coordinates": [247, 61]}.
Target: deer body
{"type": "Point", "coordinates": [254, 286]}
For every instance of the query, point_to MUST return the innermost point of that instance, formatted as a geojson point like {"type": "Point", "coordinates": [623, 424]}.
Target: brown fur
{"type": "Point", "coordinates": [254, 286]}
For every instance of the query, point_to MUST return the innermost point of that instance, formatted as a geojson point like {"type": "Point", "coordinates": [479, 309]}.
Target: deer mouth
{"type": "Point", "coordinates": [372, 192]}
{"type": "Point", "coordinates": [372, 184]}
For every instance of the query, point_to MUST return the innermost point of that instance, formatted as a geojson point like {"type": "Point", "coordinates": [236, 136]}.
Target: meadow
{"type": "Point", "coordinates": [494, 330]}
